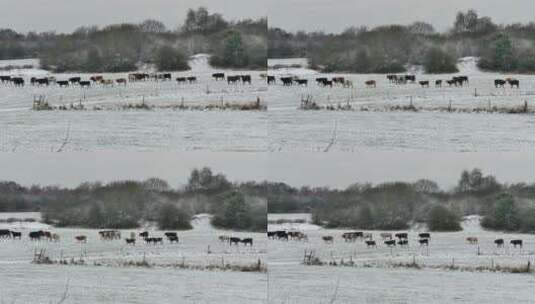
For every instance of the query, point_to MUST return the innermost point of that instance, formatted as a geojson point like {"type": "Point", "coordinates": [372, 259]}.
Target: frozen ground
{"type": "Point", "coordinates": [374, 280]}
{"type": "Point", "coordinates": [376, 129]}
{"type": "Point", "coordinates": [114, 284]}
{"type": "Point", "coordinates": [112, 129]}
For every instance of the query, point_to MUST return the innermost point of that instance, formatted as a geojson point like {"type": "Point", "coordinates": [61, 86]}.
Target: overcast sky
{"type": "Point", "coordinates": [67, 15]}
{"type": "Point", "coordinates": [335, 16]}
{"type": "Point", "coordinates": [331, 16]}
{"type": "Point", "coordinates": [336, 170]}
{"type": "Point", "coordinates": [71, 169]}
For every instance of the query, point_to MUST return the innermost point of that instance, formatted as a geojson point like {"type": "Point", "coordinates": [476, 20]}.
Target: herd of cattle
{"type": "Point", "coordinates": [456, 81]}
{"type": "Point", "coordinates": [236, 240]}
{"type": "Point", "coordinates": [104, 235]}
{"type": "Point", "coordinates": [389, 239]}
{"type": "Point", "coordinates": [133, 77]}
{"type": "Point", "coordinates": [110, 235]}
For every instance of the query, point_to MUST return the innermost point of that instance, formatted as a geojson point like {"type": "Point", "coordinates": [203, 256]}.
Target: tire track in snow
{"type": "Point", "coordinates": [333, 137]}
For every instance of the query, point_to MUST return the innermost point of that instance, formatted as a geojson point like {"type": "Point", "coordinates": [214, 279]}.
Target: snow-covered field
{"type": "Point", "coordinates": [373, 279]}
{"type": "Point", "coordinates": [377, 129]}
{"type": "Point", "coordinates": [112, 283]}
{"type": "Point", "coordinates": [113, 129]}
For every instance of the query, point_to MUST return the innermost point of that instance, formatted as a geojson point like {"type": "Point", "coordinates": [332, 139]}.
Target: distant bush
{"type": "Point", "coordinates": [234, 212]}
{"type": "Point", "coordinates": [171, 217]}
{"type": "Point", "coordinates": [128, 204]}
{"type": "Point", "coordinates": [441, 218]}
{"type": "Point", "coordinates": [503, 215]}
{"type": "Point", "coordinates": [169, 59]}
{"type": "Point", "coordinates": [233, 49]}
{"type": "Point", "coordinates": [390, 48]}
{"type": "Point", "coordinates": [124, 47]}
{"type": "Point", "coordinates": [438, 61]}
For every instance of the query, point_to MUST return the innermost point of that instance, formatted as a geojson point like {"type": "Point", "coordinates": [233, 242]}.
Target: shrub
{"type": "Point", "coordinates": [503, 215]}
{"type": "Point", "coordinates": [442, 219]}
{"type": "Point", "coordinates": [171, 217]}
{"type": "Point", "coordinates": [438, 61]}
{"type": "Point", "coordinates": [169, 59]}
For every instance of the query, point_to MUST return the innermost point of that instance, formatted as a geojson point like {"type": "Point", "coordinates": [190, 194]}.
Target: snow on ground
{"type": "Point", "coordinates": [291, 129]}
{"type": "Point", "coordinates": [114, 284]}
{"type": "Point", "coordinates": [374, 280]}
{"type": "Point", "coordinates": [25, 130]}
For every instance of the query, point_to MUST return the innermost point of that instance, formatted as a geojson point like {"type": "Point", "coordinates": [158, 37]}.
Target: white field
{"type": "Point", "coordinates": [112, 283]}
{"type": "Point", "coordinates": [113, 129]}
{"type": "Point", "coordinates": [373, 279]}
{"type": "Point", "coordinates": [377, 129]}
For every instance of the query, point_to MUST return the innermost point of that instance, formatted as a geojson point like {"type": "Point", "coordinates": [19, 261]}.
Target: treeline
{"type": "Point", "coordinates": [127, 47]}
{"type": "Point", "coordinates": [129, 204]}
{"type": "Point", "coordinates": [393, 48]}
{"type": "Point", "coordinates": [398, 205]}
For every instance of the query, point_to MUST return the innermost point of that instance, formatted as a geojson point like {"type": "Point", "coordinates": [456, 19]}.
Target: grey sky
{"type": "Point", "coordinates": [67, 15]}
{"type": "Point", "coordinates": [70, 169]}
{"type": "Point", "coordinates": [335, 16]}
{"type": "Point", "coordinates": [331, 16]}
{"type": "Point", "coordinates": [337, 170]}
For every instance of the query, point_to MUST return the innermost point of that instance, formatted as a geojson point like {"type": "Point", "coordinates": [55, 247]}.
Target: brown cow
{"type": "Point", "coordinates": [371, 83]}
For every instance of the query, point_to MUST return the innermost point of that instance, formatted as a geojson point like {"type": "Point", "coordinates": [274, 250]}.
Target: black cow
{"type": "Point", "coordinates": [42, 81]}
{"type": "Point", "coordinates": [63, 83]}
{"type": "Point", "coordinates": [271, 80]}
{"type": "Point", "coordinates": [390, 243]}
{"type": "Point", "coordinates": [499, 83]}
{"type": "Point", "coordinates": [234, 240]}
{"type": "Point", "coordinates": [402, 236]}
{"type": "Point", "coordinates": [218, 76]}
{"type": "Point", "coordinates": [18, 81]}
{"type": "Point", "coordinates": [74, 80]}
{"type": "Point", "coordinates": [85, 84]}
{"type": "Point", "coordinates": [499, 243]}
{"type": "Point", "coordinates": [339, 80]}
{"type": "Point", "coordinates": [170, 234]}
{"type": "Point", "coordinates": [371, 244]}
{"type": "Point", "coordinates": [438, 83]}
{"type": "Point", "coordinates": [461, 80]}
{"type": "Point", "coordinates": [131, 241]}
{"type": "Point", "coordinates": [282, 235]}
{"type": "Point", "coordinates": [424, 242]}
{"type": "Point", "coordinates": [36, 235]}
{"type": "Point", "coordinates": [302, 82]}
{"type": "Point", "coordinates": [271, 234]}
{"type": "Point", "coordinates": [167, 76]}
{"type": "Point", "coordinates": [287, 81]}
{"type": "Point", "coordinates": [144, 234]}
{"type": "Point", "coordinates": [325, 82]}
{"type": "Point", "coordinates": [181, 79]}
{"type": "Point", "coordinates": [5, 234]}
{"type": "Point", "coordinates": [246, 79]}
{"type": "Point", "coordinates": [424, 83]}
{"type": "Point", "coordinates": [154, 240]}
{"type": "Point", "coordinates": [424, 235]}
{"type": "Point", "coordinates": [173, 238]}
{"type": "Point", "coordinates": [233, 79]}
{"type": "Point", "coordinates": [517, 243]}
{"type": "Point", "coordinates": [514, 83]}
{"type": "Point", "coordinates": [192, 79]}
{"type": "Point", "coordinates": [321, 80]}
{"type": "Point", "coordinates": [403, 242]}
{"type": "Point", "coordinates": [247, 241]}
{"type": "Point", "coordinates": [16, 235]}
{"type": "Point", "coordinates": [411, 78]}
{"type": "Point", "coordinates": [4, 79]}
